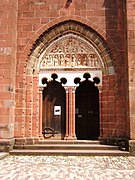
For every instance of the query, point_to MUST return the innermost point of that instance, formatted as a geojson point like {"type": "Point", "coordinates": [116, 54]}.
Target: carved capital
{"type": "Point", "coordinates": [73, 89]}
{"type": "Point", "coordinates": [66, 89]}
{"type": "Point", "coordinates": [41, 89]}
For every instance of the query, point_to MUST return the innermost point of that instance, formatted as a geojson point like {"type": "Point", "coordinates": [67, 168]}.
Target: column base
{"type": "Point", "coordinates": [70, 138]}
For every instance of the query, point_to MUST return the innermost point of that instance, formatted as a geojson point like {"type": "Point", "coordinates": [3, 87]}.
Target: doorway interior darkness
{"type": "Point", "coordinates": [87, 111]}
{"type": "Point", "coordinates": [86, 105]}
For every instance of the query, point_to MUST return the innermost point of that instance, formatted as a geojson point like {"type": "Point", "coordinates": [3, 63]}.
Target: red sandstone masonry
{"type": "Point", "coordinates": [7, 63]}
{"type": "Point", "coordinates": [37, 16]}
{"type": "Point", "coordinates": [35, 117]}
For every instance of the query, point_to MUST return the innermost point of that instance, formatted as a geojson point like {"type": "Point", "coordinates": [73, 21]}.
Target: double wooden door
{"type": "Point", "coordinates": [87, 110]}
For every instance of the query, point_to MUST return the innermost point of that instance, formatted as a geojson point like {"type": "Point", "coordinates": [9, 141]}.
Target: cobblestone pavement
{"type": "Point", "coordinates": [67, 168]}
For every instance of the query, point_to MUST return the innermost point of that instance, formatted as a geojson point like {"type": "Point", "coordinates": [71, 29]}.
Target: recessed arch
{"type": "Point", "coordinates": [77, 29]}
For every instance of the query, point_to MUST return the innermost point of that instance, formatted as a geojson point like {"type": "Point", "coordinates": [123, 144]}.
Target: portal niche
{"type": "Point", "coordinates": [69, 56]}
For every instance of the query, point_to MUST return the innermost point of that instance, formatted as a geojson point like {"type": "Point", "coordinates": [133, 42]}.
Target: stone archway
{"type": "Point", "coordinates": [70, 56]}
{"type": "Point", "coordinates": [70, 50]}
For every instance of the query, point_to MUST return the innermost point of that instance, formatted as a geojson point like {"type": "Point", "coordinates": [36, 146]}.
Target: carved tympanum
{"type": "Point", "coordinates": [70, 51]}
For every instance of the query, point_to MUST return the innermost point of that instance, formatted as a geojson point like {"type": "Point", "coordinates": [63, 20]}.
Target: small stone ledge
{"type": "Point", "coordinates": [132, 147]}
{"type": "Point", "coordinates": [20, 141]}
{"type": "Point", "coordinates": [26, 141]}
{"type": "Point", "coordinates": [6, 145]}
{"type": "Point", "coordinates": [121, 142]}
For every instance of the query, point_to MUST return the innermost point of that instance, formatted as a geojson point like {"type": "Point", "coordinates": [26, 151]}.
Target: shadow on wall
{"type": "Point", "coordinates": [115, 21]}
{"type": "Point", "coordinates": [116, 29]}
{"type": "Point", "coordinates": [68, 2]}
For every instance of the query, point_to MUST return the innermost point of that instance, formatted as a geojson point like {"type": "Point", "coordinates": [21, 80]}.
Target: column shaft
{"type": "Point", "coordinates": [70, 112]}
{"type": "Point", "coordinates": [73, 114]}
{"type": "Point", "coordinates": [67, 115]}
{"type": "Point", "coordinates": [40, 111]}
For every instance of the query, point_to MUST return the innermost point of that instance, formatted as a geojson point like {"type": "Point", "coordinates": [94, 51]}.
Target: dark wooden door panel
{"type": "Point", "coordinates": [87, 116]}
{"type": "Point", "coordinates": [54, 99]}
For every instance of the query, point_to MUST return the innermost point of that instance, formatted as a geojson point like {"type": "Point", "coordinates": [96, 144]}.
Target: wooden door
{"type": "Point", "coordinates": [54, 100]}
{"type": "Point", "coordinates": [87, 111]}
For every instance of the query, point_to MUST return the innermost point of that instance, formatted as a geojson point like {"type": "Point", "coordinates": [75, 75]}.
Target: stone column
{"type": "Point", "coordinates": [70, 113]}
{"type": "Point", "coordinates": [67, 116]}
{"type": "Point", "coordinates": [100, 115]}
{"type": "Point", "coordinates": [40, 110]}
{"type": "Point", "coordinates": [73, 113]}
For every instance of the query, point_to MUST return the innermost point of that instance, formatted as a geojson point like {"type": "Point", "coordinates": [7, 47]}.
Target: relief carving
{"type": "Point", "coordinates": [70, 51]}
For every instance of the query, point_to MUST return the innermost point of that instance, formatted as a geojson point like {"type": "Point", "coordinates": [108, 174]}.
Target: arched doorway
{"type": "Point", "coordinates": [69, 53]}
{"type": "Point", "coordinates": [87, 110]}
{"type": "Point", "coordinates": [54, 99]}
{"type": "Point", "coordinates": [70, 56]}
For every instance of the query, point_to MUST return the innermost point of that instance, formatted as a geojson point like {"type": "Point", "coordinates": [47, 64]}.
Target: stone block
{"type": "Point", "coordinates": [132, 147]}
{"type": "Point", "coordinates": [20, 141]}
{"type": "Point", "coordinates": [7, 144]}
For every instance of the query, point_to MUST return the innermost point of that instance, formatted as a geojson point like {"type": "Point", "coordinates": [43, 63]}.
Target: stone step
{"type": "Point", "coordinates": [59, 147]}
{"type": "Point", "coordinates": [67, 142]}
{"type": "Point", "coordinates": [69, 152]}
{"type": "Point", "coordinates": [66, 147]}
{"type": "Point", "coordinates": [1, 148]}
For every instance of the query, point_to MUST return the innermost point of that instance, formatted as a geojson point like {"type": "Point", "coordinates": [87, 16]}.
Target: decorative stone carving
{"type": "Point", "coordinates": [70, 51]}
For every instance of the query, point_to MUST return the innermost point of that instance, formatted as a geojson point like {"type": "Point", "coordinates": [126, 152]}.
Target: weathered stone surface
{"type": "Point", "coordinates": [27, 28]}
{"type": "Point", "coordinates": [132, 147]}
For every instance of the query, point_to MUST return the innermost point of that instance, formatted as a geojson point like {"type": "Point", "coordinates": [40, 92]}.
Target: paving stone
{"type": "Point", "coordinates": [67, 168]}
{"type": "Point", "coordinates": [3, 154]}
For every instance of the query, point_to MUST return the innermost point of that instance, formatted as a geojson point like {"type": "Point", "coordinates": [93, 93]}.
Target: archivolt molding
{"type": "Point", "coordinates": [70, 44]}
